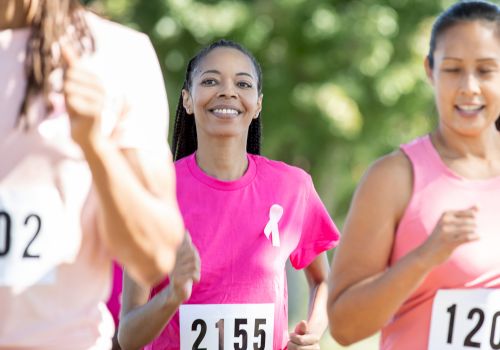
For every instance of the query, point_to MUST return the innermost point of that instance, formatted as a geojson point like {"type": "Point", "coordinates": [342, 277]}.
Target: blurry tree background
{"type": "Point", "coordinates": [343, 80]}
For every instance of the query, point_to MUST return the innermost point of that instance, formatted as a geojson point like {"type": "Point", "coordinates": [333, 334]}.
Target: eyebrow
{"type": "Point", "coordinates": [215, 71]}
{"type": "Point", "coordinates": [479, 60]}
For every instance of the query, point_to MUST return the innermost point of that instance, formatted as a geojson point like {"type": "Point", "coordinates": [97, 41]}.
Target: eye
{"type": "Point", "coordinates": [485, 70]}
{"type": "Point", "coordinates": [244, 84]}
{"type": "Point", "coordinates": [451, 70]}
{"type": "Point", "coordinates": [208, 82]}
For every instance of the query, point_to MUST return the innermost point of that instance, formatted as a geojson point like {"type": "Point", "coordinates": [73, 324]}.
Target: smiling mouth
{"type": "Point", "coordinates": [225, 113]}
{"type": "Point", "coordinates": [469, 110]}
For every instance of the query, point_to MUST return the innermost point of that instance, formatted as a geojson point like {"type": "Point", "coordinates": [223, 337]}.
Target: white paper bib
{"type": "Point", "coordinates": [465, 319]}
{"type": "Point", "coordinates": [34, 237]}
{"type": "Point", "coordinates": [227, 326]}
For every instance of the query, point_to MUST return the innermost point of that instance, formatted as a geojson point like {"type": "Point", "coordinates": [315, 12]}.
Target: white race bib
{"type": "Point", "coordinates": [33, 236]}
{"type": "Point", "coordinates": [465, 319]}
{"type": "Point", "coordinates": [227, 326]}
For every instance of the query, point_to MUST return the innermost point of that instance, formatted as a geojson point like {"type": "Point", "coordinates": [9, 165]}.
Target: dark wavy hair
{"type": "Point", "coordinates": [184, 140]}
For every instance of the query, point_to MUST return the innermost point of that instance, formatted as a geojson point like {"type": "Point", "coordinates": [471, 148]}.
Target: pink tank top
{"type": "Point", "coordinates": [436, 189]}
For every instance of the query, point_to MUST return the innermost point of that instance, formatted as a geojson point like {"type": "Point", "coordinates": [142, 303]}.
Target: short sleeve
{"type": "Point", "coordinates": [143, 123]}
{"type": "Point", "coordinates": [319, 232]}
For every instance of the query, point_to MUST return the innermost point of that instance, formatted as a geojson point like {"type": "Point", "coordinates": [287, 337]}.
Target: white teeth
{"type": "Point", "coordinates": [468, 108]}
{"type": "Point", "coordinates": [226, 111]}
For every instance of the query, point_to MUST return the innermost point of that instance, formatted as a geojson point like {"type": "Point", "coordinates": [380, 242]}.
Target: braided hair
{"type": "Point", "coordinates": [50, 23]}
{"type": "Point", "coordinates": [184, 139]}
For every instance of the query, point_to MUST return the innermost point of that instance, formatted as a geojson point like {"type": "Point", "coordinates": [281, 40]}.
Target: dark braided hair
{"type": "Point", "coordinates": [50, 23]}
{"type": "Point", "coordinates": [184, 140]}
{"type": "Point", "coordinates": [462, 11]}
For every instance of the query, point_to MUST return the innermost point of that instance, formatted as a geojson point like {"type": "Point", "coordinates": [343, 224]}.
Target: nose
{"type": "Point", "coordinates": [227, 90]}
{"type": "Point", "coordinates": [470, 84]}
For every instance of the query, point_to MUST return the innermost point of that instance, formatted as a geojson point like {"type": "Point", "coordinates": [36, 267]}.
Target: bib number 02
{"type": "Point", "coordinates": [6, 233]}
{"type": "Point", "coordinates": [466, 319]}
{"type": "Point", "coordinates": [227, 326]}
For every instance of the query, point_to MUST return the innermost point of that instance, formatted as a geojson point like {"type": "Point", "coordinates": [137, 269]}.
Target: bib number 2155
{"type": "Point", "coordinates": [227, 326]}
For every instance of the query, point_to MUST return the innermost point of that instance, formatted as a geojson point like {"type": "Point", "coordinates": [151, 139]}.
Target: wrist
{"type": "Point", "coordinates": [94, 147]}
{"type": "Point", "coordinates": [171, 298]}
{"type": "Point", "coordinates": [422, 260]}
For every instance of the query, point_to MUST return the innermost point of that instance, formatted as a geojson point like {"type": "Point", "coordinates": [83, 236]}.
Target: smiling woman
{"type": "Point", "coordinates": [428, 213]}
{"type": "Point", "coordinates": [246, 216]}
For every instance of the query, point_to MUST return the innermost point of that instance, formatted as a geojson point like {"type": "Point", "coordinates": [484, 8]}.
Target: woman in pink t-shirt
{"type": "Point", "coordinates": [419, 256]}
{"type": "Point", "coordinates": [246, 215]}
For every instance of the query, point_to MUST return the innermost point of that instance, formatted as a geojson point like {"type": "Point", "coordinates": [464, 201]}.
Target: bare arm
{"type": "Point", "coordinates": [141, 223]}
{"type": "Point", "coordinates": [156, 313]}
{"type": "Point", "coordinates": [308, 333]}
{"type": "Point", "coordinates": [363, 293]}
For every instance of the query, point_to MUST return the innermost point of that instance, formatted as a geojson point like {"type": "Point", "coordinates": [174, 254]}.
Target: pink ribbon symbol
{"type": "Point", "coordinates": [275, 214]}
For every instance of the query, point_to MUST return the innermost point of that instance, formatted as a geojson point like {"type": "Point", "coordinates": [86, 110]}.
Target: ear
{"type": "Point", "coordinates": [187, 102]}
{"type": "Point", "coordinates": [428, 70]}
{"type": "Point", "coordinates": [259, 106]}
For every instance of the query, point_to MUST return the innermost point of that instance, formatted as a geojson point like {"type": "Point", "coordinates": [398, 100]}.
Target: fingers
{"type": "Point", "coordinates": [302, 339]}
{"type": "Point", "coordinates": [301, 327]}
{"type": "Point", "coordinates": [454, 228]}
{"type": "Point", "coordinates": [303, 342]}
{"type": "Point", "coordinates": [69, 55]}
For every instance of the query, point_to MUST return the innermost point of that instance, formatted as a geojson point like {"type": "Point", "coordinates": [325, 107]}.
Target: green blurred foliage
{"type": "Point", "coordinates": [344, 81]}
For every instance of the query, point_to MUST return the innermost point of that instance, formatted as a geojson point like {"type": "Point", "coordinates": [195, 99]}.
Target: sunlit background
{"type": "Point", "coordinates": [343, 81]}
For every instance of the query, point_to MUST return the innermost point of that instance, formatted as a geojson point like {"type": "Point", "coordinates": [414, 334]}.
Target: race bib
{"type": "Point", "coordinates": [465, 319]}
{"type": "Point", "coordinates": [33, 236]}
{"type": "Point", "coordinates": [227, 326]}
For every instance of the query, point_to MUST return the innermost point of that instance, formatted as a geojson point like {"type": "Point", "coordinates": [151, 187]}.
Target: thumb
{"type": "Point", "coordinates": [69, 55]}
{"type": "Point", "coordinates": [301, 328]}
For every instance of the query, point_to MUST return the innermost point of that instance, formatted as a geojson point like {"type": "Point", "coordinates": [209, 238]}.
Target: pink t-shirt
{"type": "Point", "coordinates": [226, 220]}
{"type": "Point", "coordinates": [55, 272]}
{"type": "Point", "coordinates": [474, 265]}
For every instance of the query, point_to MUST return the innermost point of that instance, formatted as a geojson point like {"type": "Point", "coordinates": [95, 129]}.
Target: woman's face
{"type": "Point", "coordinates": [466, 77]}
{"type": "Point", "coordinates": [224, 96]}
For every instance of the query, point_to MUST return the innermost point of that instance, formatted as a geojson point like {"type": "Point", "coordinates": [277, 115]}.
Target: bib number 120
{"type": "Point", "coordinates": [240, 334]}
{"type": "Point", "coordinates": [465, 319]}
{"type": "Point", "coordinates": [478, 315]}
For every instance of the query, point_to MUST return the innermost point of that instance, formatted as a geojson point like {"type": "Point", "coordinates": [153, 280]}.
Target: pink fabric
{"type": "Point", "coordinates": [473, 265]}
{"type": "Point", "coordinates": [70, 312]}
{"type": "Point", "coordinates": [226, 221]}
{"type": "Point", "coordinates": [114, 301]}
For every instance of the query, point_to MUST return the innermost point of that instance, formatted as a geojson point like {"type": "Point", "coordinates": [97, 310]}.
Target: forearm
{"type": "Point", "coordinates": [143, 324]}
{"type": "Point", "coordinates": [317, 318]}
{"type": "Point", "coordinates": [141, 229]}
{"type": "Point", "coordinates": [364, 308]}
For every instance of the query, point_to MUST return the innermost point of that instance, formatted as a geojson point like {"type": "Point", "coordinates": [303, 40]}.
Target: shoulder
{"type": "Point", "coordinates": [181, 165]}
{"type": "Point", "coordinates": [116, 35]}
{"type": "Point", "coordinates": [280, 170]}
{"type": "Point", "coordinates": [388, 180]}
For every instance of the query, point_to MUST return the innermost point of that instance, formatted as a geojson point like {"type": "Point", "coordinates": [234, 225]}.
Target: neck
{"type": "Point", "coordinates": [223, 159]}
{"type": "Point", "coordinates": [485, 146]}
{"type": "Point", "coordinates": [16, 14]}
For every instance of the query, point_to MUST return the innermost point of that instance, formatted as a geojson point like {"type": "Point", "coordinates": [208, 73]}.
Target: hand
{"type": "Point", "coordinates": [85, 99]}
{"type": "Point", "coordinates": [301, 339]}
{"type": "Point", "coordinates": [186, 270]}
{"type": "Point", "coordinates": [454, 228]}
